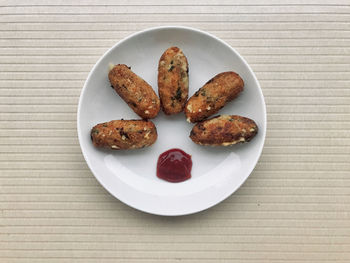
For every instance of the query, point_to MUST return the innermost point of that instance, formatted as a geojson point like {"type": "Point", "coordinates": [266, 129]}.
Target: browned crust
{"type": "Point", "coordinates": [224, 130]}
{"type": "Point", "coordinates": [136, 92]}
{"type": "Point", "coordinates": [213, 96]}
{"type": "Point", "coordinates": [124, 134]}
{"type": "Point", "coordinates": [173, 80]}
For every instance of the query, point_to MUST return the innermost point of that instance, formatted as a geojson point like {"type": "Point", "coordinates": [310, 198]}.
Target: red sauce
{"type": "Point", "coordinates": [174, 166]}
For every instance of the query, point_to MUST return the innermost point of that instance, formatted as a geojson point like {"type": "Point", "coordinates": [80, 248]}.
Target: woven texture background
{"type": "Point", "coordinates": [295, 207]}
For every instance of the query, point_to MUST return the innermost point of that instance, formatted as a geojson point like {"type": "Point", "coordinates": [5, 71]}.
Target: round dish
{"type": "Point", "coordinates": [130, 175]}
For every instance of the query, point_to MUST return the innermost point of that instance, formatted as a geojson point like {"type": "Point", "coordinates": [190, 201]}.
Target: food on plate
{"type": "Point", "coordinates": [124, 134]}
{"type": "Point", "coordinates": [136, 92]}
{"type": "Point", "coordinates": [174, 166]}
{"type": "Point", "coordinates": [209, 99]}
{"type": "Point", "coordinates": [173, 80]}
{"type": "Point", "coordinates": [224, 130]}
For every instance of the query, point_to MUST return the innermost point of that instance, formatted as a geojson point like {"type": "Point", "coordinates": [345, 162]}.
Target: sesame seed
{"type": "Point", "coordinates": [147, 135]}
{"type": "Point", "coordinates": [189, 107]}
{"type": "Point", "coordinates": [110, 66]}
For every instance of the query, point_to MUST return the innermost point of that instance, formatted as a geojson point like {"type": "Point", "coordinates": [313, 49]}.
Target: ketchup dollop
{"type": "Point", "coordinates": [174, 166]}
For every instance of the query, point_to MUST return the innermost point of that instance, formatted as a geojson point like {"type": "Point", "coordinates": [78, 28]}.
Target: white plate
{"type": "Point", "coordinates": [131, 175]}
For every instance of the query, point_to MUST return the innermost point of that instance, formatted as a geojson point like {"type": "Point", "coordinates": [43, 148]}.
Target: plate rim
{"type": "Point", "coordinates": [263, 131]}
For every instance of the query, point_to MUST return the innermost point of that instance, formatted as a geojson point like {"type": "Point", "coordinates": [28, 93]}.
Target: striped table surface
{"type": "Point", "coordinates": [295, 207]}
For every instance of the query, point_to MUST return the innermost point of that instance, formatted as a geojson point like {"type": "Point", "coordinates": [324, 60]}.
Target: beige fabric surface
{"type": "Point", "coordinates": [295, 207]}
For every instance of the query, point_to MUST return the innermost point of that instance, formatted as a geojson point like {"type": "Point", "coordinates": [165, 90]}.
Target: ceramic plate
{"type": "Point", "coordinates": [130, 175]}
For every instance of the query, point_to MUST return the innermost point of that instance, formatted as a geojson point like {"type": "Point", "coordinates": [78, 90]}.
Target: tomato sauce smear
{"type": "Point", "coordinates": [174, 166]}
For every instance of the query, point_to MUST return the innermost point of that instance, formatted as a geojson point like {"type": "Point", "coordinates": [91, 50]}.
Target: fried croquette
{"type": "Point", "coordinates": [213, 96]}
{"type": "Point", "coordinates": [136, 92]}
{"type": "Point", "coordinates": [173, 80]}
{"type": "Point", "coordinates": [224, 130]}
{"type": "Point", "coordinates": [124, 134]}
